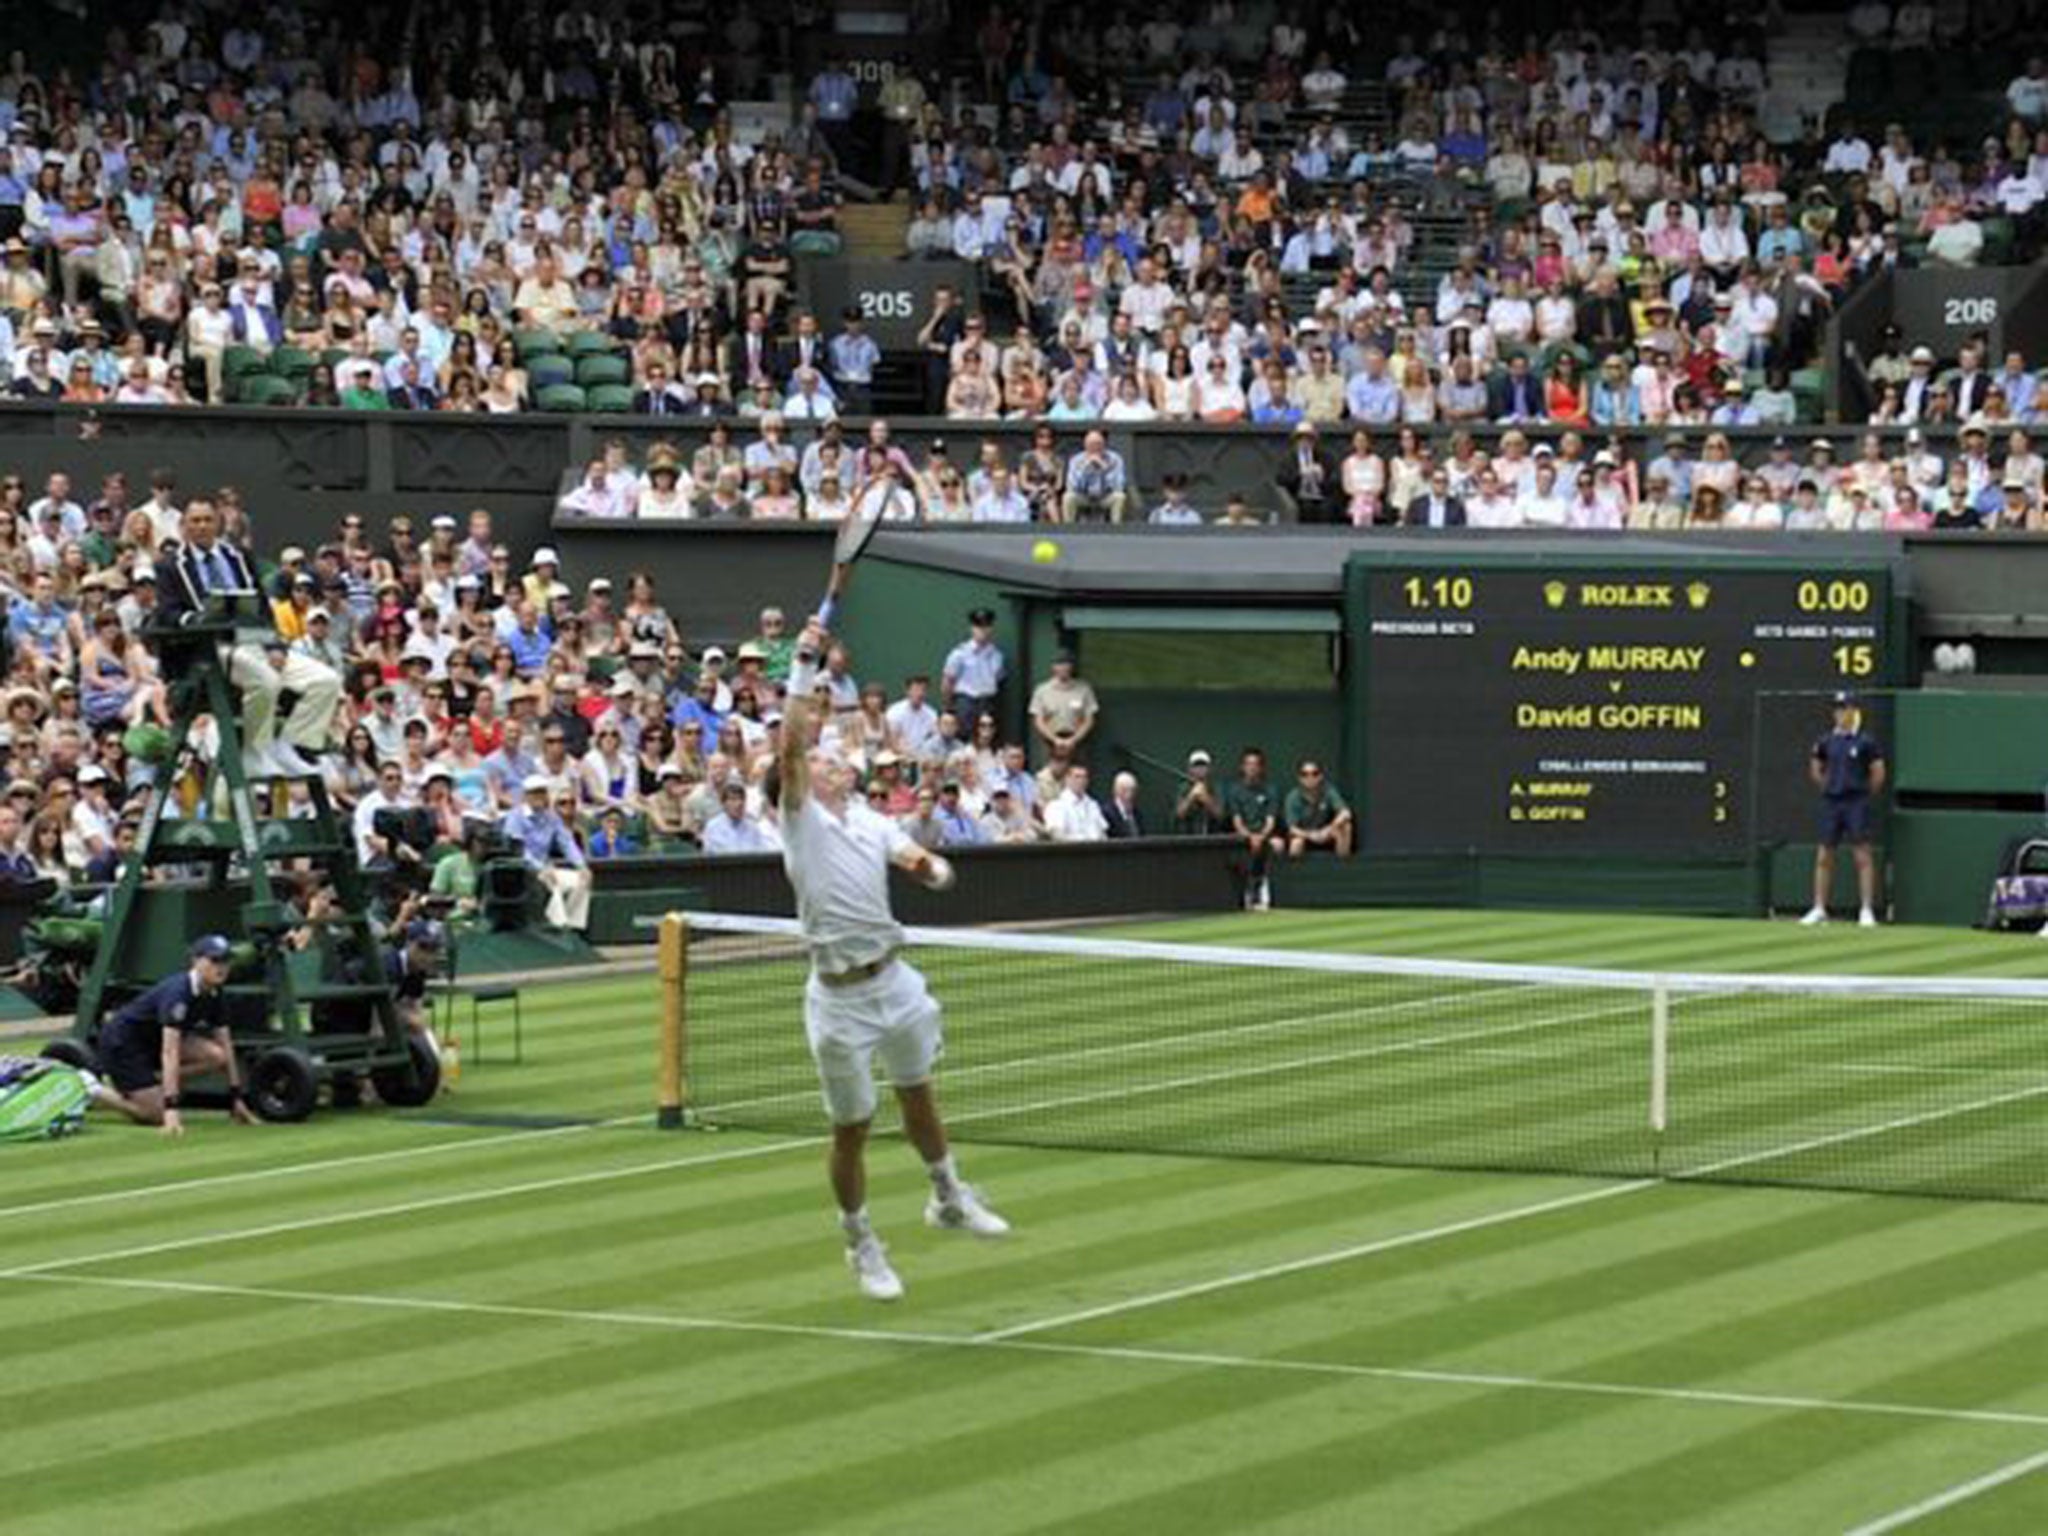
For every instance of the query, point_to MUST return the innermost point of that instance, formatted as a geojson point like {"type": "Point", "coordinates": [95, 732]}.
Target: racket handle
{"type": "Point", "coordinates": [828, 610]}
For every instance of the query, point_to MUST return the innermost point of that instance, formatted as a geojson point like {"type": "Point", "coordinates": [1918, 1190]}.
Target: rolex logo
{"type": "Point", "coordinates": [1698, 593]}
{"type": "Point", "coordinates": [1555, 592]}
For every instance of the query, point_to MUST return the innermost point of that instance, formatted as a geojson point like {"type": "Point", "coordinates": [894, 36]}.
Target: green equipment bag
{"type": "Point", "coordinates": [41, 1100]}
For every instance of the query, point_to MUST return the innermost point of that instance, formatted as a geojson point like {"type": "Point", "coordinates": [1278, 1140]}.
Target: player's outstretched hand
{"type": "Point", "coordinates": [241, 1114]}
{"type": "Point", "coordinates": [812, 641]}
{"type": "Point", "coordinates": [938, 873]}
{"type": "Point", "coordinates": [174, 1123]}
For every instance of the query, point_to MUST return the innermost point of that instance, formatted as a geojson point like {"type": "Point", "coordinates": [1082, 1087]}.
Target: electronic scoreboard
{"type": "Point", "coordinates": [1579, 706]}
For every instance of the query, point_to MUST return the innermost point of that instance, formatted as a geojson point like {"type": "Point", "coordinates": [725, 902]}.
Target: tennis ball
{"type": "Point", "coordinates": [1045, 551]}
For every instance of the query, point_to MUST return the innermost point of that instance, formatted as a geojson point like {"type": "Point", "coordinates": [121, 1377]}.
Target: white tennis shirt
{"type": "Point", "coordinates": [839, 868]}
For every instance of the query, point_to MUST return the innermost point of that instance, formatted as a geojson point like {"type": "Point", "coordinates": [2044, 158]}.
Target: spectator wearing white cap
{"type": "Point", "coordinates": [541, 577]}
{"type": "Point", "coordinates": [545, 843]}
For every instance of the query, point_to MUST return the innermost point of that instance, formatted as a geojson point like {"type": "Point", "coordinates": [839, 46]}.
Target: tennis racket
{"type": "Point", "coordinates": [855, 533]}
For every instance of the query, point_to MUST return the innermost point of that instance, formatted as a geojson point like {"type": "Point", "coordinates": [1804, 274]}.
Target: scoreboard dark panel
{"type": "Point", "coordinates": [1605, 709]}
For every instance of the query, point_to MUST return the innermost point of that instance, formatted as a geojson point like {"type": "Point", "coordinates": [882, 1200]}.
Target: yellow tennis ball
{"type": "Point", "coordinates": [1045, 551]}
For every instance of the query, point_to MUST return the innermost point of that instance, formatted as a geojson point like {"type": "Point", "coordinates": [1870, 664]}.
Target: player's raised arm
{"type": "Point", "coordinates": [793, 752]}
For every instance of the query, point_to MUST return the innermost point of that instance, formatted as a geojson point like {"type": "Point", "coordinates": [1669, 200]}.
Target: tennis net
{"type": "Point", "coordinates": [1925, 1086]}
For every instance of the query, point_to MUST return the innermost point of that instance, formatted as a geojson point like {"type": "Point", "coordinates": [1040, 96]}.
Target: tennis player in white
{"type": "Point", "coordinates": [863, 1004]}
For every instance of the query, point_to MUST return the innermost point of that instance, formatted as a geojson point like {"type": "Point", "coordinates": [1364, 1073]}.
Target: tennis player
{"type": "Point", "coordinates": [863, 1004]}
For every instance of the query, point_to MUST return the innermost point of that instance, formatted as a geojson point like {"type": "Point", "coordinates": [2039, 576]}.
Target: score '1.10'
{"type": "Point", "coordinates": [1437, 591]}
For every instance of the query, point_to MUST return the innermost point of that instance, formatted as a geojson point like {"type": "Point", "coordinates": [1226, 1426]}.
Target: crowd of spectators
{"type": "Point", "coordinates": [1989, 475]}
{"type": "Point", "coordinates": [1177, 218]}
{"type": "Point", "coordinates": [567, 718]}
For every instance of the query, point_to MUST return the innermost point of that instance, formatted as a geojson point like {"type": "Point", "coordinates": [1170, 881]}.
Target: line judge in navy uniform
{"type": "Point", "coordinates": [177, 1026]}
{"type": "Point", "coordinates": [1847, 767]}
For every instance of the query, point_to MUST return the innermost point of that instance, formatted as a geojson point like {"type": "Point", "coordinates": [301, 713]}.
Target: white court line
{"type": "Point", "coordinates": [1772, 1402]}
{"type": "Point", "coordinates": [598, 1176]}
{"type": "Point", "coordinates": [1513, 1213]}
{"type": "Point", "coordinates": [1948, 1498]}
{"type": "Point", "coordinates": [294, 1170]}
{"type": "Point", "coordinates": [409, 1207]}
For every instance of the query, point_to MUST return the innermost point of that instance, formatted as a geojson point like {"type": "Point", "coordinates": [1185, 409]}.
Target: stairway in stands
{"type": "Point", "coordinates": [1807, 66]}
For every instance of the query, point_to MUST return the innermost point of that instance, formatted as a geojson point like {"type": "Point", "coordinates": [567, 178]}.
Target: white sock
{"type": "Point", "coordinates": [945, 1177]}
{"type": "Point", "coordinates": [856, 1226]}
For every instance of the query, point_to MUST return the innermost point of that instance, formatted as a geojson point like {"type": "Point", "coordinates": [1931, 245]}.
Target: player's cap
{"type": "Point", "coordinates": [537, 784]}
{"type": "Point", "coordinates": [211, 946]}
{"type": "Point", "coordinates": [1921, 355]}
{"type": "Point", "coordinates": [982, 616]}
{"type": "Point", "coordinates": [1845, 700]}
{"type": "Point", "coordinates": [546, 555]}
{"type": "Point", "coordinates": [1200, 755]}
{"type": "Point", "coordinates": [92, 773]}
{"type": "Point", "coordinates": [443, 520]}
{"type": "Point", "coordinates": [712, 653]}
{"type": "Point", "coordinates": [1543, 451]}
{"type": "Point", "coordinates": [600, 584]}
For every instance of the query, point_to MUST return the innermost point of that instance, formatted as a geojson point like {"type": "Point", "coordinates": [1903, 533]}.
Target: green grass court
{"type": "Point", "coordinates": [527, 1311]}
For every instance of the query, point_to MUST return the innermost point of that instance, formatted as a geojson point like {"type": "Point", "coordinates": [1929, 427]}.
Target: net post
{"type": "Point", "coordinates": [1660, 1056]}
{"type": "Point", "coordinates": [671, 1087]}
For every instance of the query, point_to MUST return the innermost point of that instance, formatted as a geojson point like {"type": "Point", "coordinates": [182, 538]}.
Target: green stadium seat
{"type": "Point", "coordinates": [535, 341]}
{"type": "Point", "coordinates": [333, 355]}
{"type": "Point", "coordinates": [266, 389]}
{"type": "Point", "coordinates": [562, 398]}
{"type": "Point", "coordinates": [550, 368]}
{"type": "Point", "coordinates": [587, 343]}
{"type": "Point", "coordinates": [613, 399]}
{"type": "Point", "coordinates": [602, 368]}
{"type": "Point", "coordinates": [236, 361]}
{"type": "Point", "coordinates": [292, 362]}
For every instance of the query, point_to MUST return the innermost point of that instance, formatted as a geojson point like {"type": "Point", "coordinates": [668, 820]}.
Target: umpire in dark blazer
{"type": "Point", "coordinates": [1436, 507]}
{"type": "Point", "coordinates": [209, 574]}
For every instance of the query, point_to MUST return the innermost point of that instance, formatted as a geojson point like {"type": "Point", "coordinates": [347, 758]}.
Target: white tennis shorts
{"type": "Point", "coordinates": [890, 1020]}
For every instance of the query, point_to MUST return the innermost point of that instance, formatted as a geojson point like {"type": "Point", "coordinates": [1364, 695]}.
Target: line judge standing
{"type": "Point", "coordinates": [1847, 767]}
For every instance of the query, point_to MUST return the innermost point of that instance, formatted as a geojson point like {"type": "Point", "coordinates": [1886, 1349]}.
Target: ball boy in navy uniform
{"type": "Point", "coordinates": [1848, 768]}
{"type": "Point", "coordinates": [177, 1026]}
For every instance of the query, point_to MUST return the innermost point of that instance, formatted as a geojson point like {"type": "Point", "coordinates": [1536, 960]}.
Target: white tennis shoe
{"type": "Point", "coordinates": [1815, 916]}
{"type": "Point", "coordinates": [1866, 918]}
{"type": "Point", "coordinates": [962, 1211]}
{"type": "Point", "coordinates": [869, 1261]}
